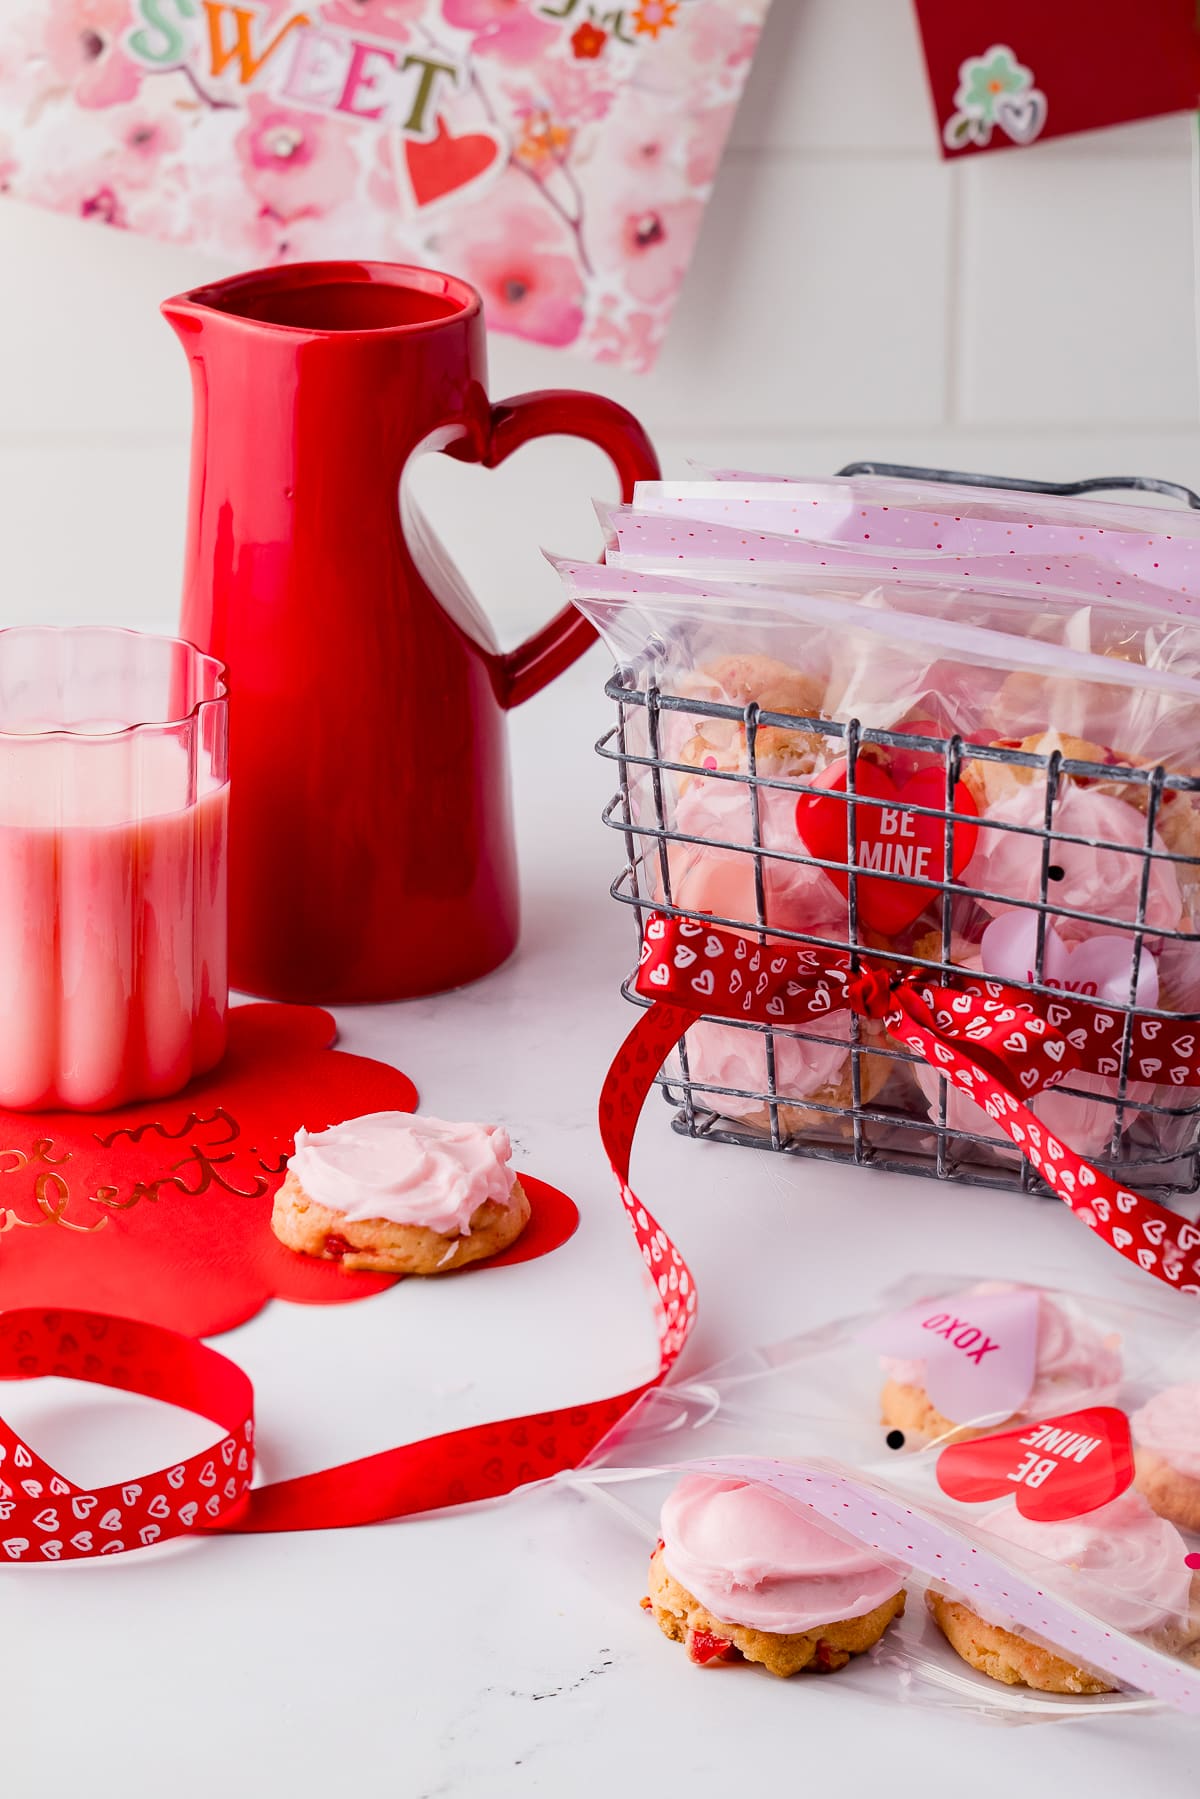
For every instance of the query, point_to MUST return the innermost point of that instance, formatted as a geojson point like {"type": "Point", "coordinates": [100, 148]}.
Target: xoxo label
{"type": "Point", "coordinates": [977, 1351]}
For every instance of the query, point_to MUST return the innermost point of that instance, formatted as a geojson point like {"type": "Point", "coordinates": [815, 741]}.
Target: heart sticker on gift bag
{"type": "Point", "coordinates": [977, 1352]}
{"type": "Point", "coordinates": [1058, 1468]}
{"type": "Point", "coordinates": [448, 163]}
{"type": "Point", "coordinates": [1100, 967]}
{"type": "Point", "coordinates": [891, 838]}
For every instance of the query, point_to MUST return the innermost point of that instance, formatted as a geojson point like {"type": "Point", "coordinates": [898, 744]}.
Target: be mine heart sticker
{"type": "Point", "coordinates": [1059, 1468]}
{"type": "Point", "coordinates": [890, 838]}
{"type": "Point", "coordinates": [978, 1351]}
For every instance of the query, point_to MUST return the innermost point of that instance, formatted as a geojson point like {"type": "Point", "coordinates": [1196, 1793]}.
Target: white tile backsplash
{"type": "Point", "coordinates": [1077, 290]}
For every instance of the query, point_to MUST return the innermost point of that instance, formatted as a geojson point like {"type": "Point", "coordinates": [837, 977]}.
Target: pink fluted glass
{"type": "Point", "coordinates": [113, 805]}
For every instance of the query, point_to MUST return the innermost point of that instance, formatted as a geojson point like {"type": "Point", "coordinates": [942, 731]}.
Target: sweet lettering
{"type": "Point", "coordinates": [308, 64]}
{"type": "Point", "coordinates": [363, 81]}
{"type": "Point", "coordinates": [417, 121]}
{"type": "Point", "coordinates": [160, 40]}
{"type": "Point", "coordinates": [249, 61]}
{"type": "Point", "coordinates": [317, 69]}
{"type": "Point", "coordinates": [962, 1334]}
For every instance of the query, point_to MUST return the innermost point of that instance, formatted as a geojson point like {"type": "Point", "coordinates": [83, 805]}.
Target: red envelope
{"type": "Point", "coordinates": [1004, 72]}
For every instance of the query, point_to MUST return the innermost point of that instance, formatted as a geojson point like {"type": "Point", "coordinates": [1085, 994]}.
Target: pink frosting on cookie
{"type": "Point", "coordinates": [1122, 1562]}
{"type": "Point", "coordinates": [797, 896]}
{"type": "Point", "coordinates": [751, 1558]}
{"type": "Point", "coordinates": [722, 1055]}
{"type": "Point", "coordinates": [1169, 1426]}
{"type": "Point", "coordinates": [1103, 881]}
{"type": "Point", "coordinates": [1076, 1365]}
{"type": "Point", "coordinates": [407, 1169]}
{"type": "Point", "coordinates": [1085, 1125]}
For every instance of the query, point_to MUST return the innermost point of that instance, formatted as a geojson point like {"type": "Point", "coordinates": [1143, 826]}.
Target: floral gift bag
{"type": "Point", "coordinates": [556, 153]}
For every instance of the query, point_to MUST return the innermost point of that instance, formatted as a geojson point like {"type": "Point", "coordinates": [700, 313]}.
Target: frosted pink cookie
{"type": "Point", "coordinates": [1166, 1437]}
{"type": "Point", "coordinates": [707, 878]}
{"type": "Point", "coordinates": [741, 1572]}
{"type": "Point", "coordinates": [725, 1055]}
{"type": "Point", "coordinates": [1121, 1563]}
{"type": "Point", "coordinates": [1104, 881]}
{"type": "Point", "coordinates": [1084, 1124]}
{"type": "Point", "coordinates": [1076, 1366]}
{"type": "Point", "coordinates": [400, 1194]}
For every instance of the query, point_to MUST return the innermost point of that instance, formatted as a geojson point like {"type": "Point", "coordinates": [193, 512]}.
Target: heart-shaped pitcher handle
{"type": "Point", "coordinates": [561, 412]}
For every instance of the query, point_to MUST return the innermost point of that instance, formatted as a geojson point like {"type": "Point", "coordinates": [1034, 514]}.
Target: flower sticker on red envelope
{"type": "Point", "coordinates": [977, 1352]}
{"type": "Point", "coordinates": [1058, 1468]}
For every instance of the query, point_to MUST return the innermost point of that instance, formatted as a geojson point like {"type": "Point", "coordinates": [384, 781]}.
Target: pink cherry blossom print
{"type": "Point", "coordinates": [646, 150]}
{"type": "Point", "coordinates": [649, 242]}
{"type": "Point", "coordinates": [81, 40]}
{"type": "Point", "coordinates": [508, 29]}
{"type": "Point", "coordinates": [380, 18]}
{"type": "Point", "coordinates": [523, 263]}
{"type": "Point", "coordinates": [633, 341]}
{"type": "Point", "coordinates": [706, 141]}
{"type": "Point", "coordinates": [386, 187]}
{"type": "Point", "coordinates": [82, 193]}
{"type": "Point", "coordinates": [296, 164]}
{"type": "Point", "coordinates": [144, 140]}
{"type": "Point", "coordinates": [576, 96]}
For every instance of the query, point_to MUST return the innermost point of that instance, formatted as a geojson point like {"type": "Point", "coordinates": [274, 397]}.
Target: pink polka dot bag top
{"type": "Point", "coordinates": [910, 797]}
{"type": "Point", "coordinates": [1012, 1473]}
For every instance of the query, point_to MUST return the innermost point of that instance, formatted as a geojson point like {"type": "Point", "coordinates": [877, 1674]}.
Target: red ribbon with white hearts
{"type": "Point", "coordinates": [993, 1041]}
{"type": "Point", "coordinates": [46, 1518]}
{"type": "Point", "coordinates": [987, 1038]}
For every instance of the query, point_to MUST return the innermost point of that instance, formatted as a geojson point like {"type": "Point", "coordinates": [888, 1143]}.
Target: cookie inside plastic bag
{"type": "Point", "coordinates": [1026, 1557]}
{"type": "Point", "coordinates": [828, 763]}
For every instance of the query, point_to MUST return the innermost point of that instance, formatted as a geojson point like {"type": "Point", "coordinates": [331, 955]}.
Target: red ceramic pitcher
{"type": "Point", "coordinates": [371, 853]}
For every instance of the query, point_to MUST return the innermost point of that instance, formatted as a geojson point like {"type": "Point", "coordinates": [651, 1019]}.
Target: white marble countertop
{"type": "Point", "coordinates": [502, 1651]}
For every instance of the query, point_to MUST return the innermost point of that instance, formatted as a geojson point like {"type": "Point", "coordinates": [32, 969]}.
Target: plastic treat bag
{"type": "Point", "coordinates": [1033, 599]}
{"type": "Point", "coordinates": [1156, 546]}
{"type": "Point", "coordinates": [658, 543]}
{"type": "Point", "coordinates": [932, 588]}
{"type": "Point", "coordinates": [746, 712]}
{"type": "Point", "coordinates": [1035, 1509]}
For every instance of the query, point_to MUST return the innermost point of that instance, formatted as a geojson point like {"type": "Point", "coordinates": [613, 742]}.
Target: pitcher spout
{"type": "Point", "coordinates": [330, 300]}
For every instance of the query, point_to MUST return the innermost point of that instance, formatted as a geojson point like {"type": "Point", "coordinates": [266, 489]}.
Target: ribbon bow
{"type": "Point", "coordinates": [996, 1044]}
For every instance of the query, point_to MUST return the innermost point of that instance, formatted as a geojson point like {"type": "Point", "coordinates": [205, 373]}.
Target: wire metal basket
{"type": "Point", "coordinates": [891, 1111]}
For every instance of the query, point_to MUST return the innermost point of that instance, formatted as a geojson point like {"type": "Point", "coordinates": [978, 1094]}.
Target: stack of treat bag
{"type": "Point", "coordinates": [1009, 687]}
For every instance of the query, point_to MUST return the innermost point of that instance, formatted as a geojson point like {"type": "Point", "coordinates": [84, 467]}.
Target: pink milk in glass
{"type": "Point", "coordinates": [113, 803]}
